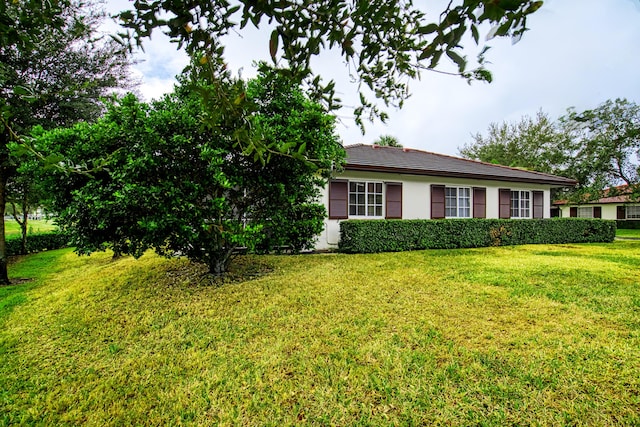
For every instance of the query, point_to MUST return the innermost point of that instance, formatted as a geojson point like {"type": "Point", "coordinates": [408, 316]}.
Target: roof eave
{"type": "Point", "coordinates": [592, 202]}
{"type": "Point", "coordinates": [423, 172]}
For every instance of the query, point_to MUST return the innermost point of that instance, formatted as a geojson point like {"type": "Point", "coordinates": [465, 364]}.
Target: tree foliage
{"type": "Point", "coordinates": [285, 191]}
{"type": "Point", "coordinates": [603, 147]}
{"type": "Point", "coordinates": [387, 141]}
{"type": "Point", "coordinates": [179, 187]}
{"type": "Point", "coordinates": [385, 44]}
{"type": "Point", "coordinates": [533, 143]}
{"type": "Point", "coordinates": [59, 77]}
{"type": "Point", "coordinates": [24, 23]}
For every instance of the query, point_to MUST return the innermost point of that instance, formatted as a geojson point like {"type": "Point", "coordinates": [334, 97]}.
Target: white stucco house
{"type": "Point", "coordinates": [613, 205]}
{"type": "Point", "coordinates": [400, 183]}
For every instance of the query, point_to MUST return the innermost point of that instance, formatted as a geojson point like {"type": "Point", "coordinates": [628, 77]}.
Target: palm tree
{"type": "Point", "coordinates": [387, 141]}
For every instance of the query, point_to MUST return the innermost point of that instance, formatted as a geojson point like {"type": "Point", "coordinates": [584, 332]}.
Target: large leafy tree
{"type": "Point", "coordinates": [176, 186]}
{"type": "Point", "coordinates": [597, 147]}
{"type": "Point", "coordinates": [53, 72]}
{"type": "Point", "coordinates": [604, 146]}
{"type": "Point", "coordinates": [162, 186]}
{"type": "Point", "coordinates": [533, 143]}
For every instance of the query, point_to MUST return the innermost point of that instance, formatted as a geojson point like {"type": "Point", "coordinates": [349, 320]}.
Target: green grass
{"type": "Point", "coordinates": [625, 233]}
{"type": "Point", "coordinates": [542, 335]}
{"type": "Point", "coordinates": [12, 228]}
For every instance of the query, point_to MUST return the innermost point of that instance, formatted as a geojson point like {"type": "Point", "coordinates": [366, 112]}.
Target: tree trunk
{"type": "Point", "coordinates": [23, 229]}
{"type": "Point", "coordinates": [6, 170]}
{"type": "Point", "coordinates": [4, 276]}
{"type": "Point", "coordinates": [22, 222]}
{"type": "Point", "coordinates": [25, 217]}
{"type": "Point", "coordinates": [218, 265]}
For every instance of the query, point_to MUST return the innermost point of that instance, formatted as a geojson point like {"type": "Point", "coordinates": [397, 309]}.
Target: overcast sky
{"type": "Point", "coordinates": [577, 53]}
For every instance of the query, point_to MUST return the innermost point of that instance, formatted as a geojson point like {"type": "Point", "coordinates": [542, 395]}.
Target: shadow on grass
{"type": "Point", "coordinates": [26, 273]}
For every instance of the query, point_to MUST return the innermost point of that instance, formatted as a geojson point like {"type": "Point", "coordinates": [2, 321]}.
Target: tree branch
{"type": "Point", "coordinates": [14, 214]}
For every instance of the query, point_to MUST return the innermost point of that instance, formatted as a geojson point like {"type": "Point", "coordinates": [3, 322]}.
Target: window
{"type": "Point", "coordinates": [633, 212]}
{"type": "Point", "coordinates": [585, 212]}
{"type": "Point", "coordinates": [520, 204]}
{"type": "Point", "coordinates": [457, 202]}
{"type": "Point", "coordinates": [365, 199]}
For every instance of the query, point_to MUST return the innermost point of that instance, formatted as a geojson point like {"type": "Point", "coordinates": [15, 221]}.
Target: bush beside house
{"type": "Point", "coordinates": [370, 236]}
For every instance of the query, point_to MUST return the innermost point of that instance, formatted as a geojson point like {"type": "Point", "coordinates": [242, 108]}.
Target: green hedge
{"type": "Point", "coordinates": [367, 236]}
{"type": "Point", "coordinates": [628, 224]}
{"type": "Point", "coordinates": [37, 243]}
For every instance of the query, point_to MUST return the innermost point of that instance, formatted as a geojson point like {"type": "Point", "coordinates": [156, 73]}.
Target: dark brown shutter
{"type": "Point", "coordinates": [479, 202]}
{"type": "Point", "coordinates": [505, 203]}
{"type": "Point", "coordinates": [437, 201]}
{"type": "Point", "coordinates": [338, 199]}
{"type": "Point", "coordinates": [573, 212]}
{"type": "Point", "coordinates": [538, 204]}
{"type": "Point", "coordinates": [621, 212]}
{"type": "Point", "coordinates": [597, 212]}
{"type": "Point", "coordinates": [394, 201]}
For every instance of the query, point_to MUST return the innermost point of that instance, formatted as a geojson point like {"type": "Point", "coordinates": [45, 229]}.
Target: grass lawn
{"type": "Point", "coordinates": [542, 335]}
{"type": "Point", "coordinates": [624, 233]}
{"type": "Point", "coordinates": [12, 228]}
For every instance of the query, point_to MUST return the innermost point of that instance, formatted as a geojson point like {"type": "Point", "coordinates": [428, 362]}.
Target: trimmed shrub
{"type": "Point", "coordinates": [37, 243]}
{"type": "Point", "coordinates": [625, 224]}
{"type": "Point", "coordinates": [368, 236]}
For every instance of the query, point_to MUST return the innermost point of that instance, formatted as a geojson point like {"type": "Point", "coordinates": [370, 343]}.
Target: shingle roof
{"type": "Point", "coordinates": [621, 194]}
{"type": "Point", "coordinates": [416, 162]}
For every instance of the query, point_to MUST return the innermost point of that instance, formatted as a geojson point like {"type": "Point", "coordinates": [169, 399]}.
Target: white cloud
{"type": "Point", "coordinates": [158, 64]}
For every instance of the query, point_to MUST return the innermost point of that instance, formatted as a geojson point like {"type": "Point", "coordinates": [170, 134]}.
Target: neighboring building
{"type": "Point", "coordinates": [618, 205]}
{"type": "Point", "coordinates": [401, 183]}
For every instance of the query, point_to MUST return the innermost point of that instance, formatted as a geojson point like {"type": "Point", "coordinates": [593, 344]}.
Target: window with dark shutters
{"type": "Point", "coordinates": [597, 212]}
{"type": "Point", "coordinates": [538, 204]}
{"type": "Point", "coordinates": [573, 212]}
{"type": "Point", "coordinates": [394, 201]}
{"type": "Point", "coordinates": [437, 201]}
{"type": "Point", "coordinates": [338, 199]}
{"type": "Point", "coordinates": [479, 202]}
{"type": "Point", "coordinates": [632, 212]}
{"type": "Point", "coordinates": [505, 203]}
{"type": "Point", "coordinates": [620, 212]}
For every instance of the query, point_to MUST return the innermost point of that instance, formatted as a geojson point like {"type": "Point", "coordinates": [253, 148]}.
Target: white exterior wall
{"type": "Point", "coordinates": [416, 197]}
{"type": "Point", "coordinates": [609, 211]}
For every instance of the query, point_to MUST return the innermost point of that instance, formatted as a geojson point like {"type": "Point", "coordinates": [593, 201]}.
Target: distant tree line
{"type": "Point", "coordinates": [598, 147]}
